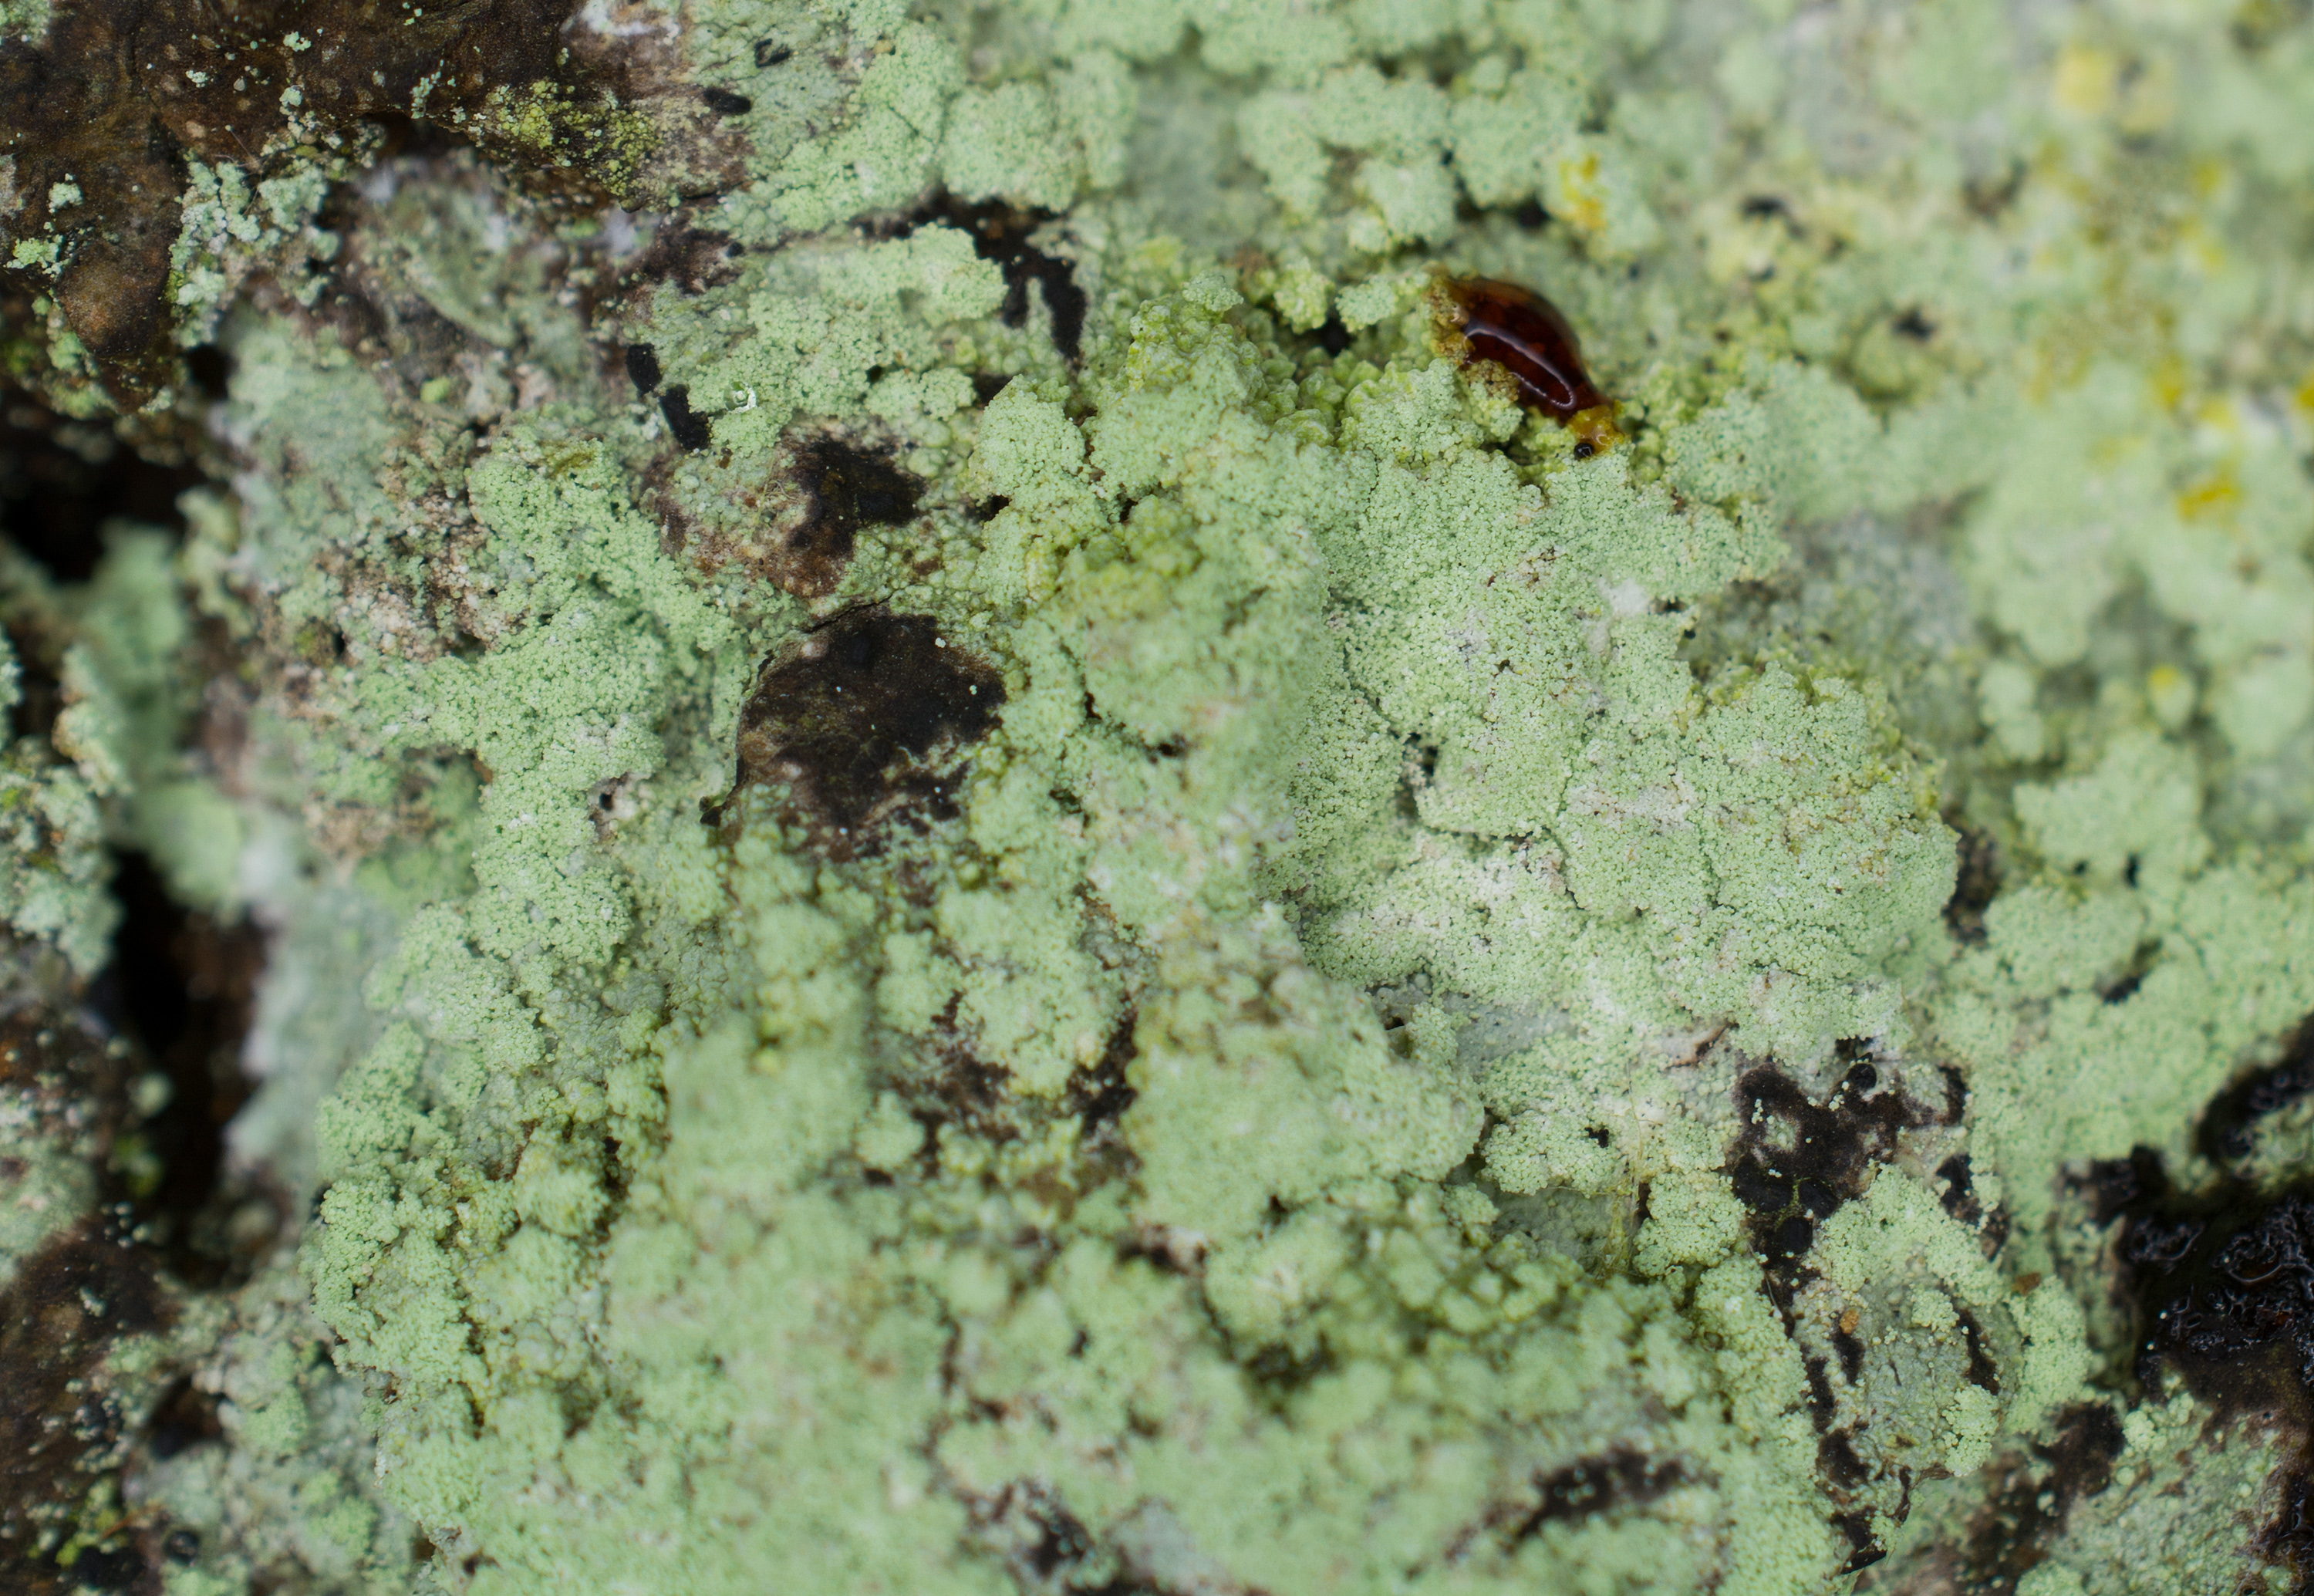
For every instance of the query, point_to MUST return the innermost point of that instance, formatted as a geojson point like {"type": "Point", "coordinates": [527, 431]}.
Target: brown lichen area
{"type": "Point", "coordinates": [1516, 338]}
{"type": "Point", "coordinates": [118, 93]}
{"type": "Point", "coordinates": [859, 726]}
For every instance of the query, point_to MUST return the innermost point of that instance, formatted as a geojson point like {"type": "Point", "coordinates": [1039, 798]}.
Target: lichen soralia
{"type": "Point", "coordinates": [974, 881]}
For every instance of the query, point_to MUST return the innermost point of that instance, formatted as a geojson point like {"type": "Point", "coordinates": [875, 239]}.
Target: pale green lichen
{"type": "Point", "coordinates": [1280, 1127]}
{"type": "Point", "coordinates": [232, 227]}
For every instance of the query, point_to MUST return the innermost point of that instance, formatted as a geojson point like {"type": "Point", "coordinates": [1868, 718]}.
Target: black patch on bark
{"type": "Point", "coordinates": [186, 1417]}
{"type": "Point", "coordinates": [54, 500]}
{"type": "Point", "coordinates": [724, 103]}
{"type": "Point", "coordinates": [1796, 1161]}
{"type": "Point", "coordinates": [1850, 1351]}
{"type": "Point", "coordinates": [2219, 1284]}
{"type": "Point", "coordinates": [857, 722]}
{"type": "Point", "coordinates": [184, 986]}
{"type": "Point", "coordinates": [1836, 1460]}
{"type": "Point", "coordinates": [1332, 336]}
{"type": "Point", "coordinates": [1960, 1201]}
{"type": "Point", "coordinates": [1865, 1551]}
{"type": "Point", "coordinates": [1960, 1190]}
{"type": "Point", "coordinates": [642, 368]}
{"type": "Point", "coordinates": [1099, 1097]}
{"type": "Point", "coordinates": [2113, 1184]}
{"type": "Point", "coordinates": [1821, 1403]}
{"type": "Point", "coordinates": [962, 1089]}
{"type": "Point", "coordinates": [693, 431]}
{"type": "Point", "coordinates": [1049, 1546]}
{"type": "Point", "coordinates": [2228, 1130]}
{"type": "Point", "coordinates": [1981, 1371]}
{"type": "Point", "coordinates": [1915, 325]}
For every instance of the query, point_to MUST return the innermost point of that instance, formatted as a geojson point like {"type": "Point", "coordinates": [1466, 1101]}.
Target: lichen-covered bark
{"type": "Point", "coordinates": [934, 847]}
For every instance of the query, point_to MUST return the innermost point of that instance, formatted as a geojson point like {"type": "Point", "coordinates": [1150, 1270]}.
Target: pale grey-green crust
{"type": "Point", "coordinates": [976, 884]}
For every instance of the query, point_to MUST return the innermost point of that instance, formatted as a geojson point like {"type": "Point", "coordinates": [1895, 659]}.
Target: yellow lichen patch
{"type": "Point", "coordinates": [600, 145]}
{"type": "Point", "coordinates": [2217, 496]}
{"type": "Point", "coordinates": [1577, 193]}
{"type": "Point", "coordinates": [2085, 80]}
{"type": "Point", "coordinates": [2169, 694]}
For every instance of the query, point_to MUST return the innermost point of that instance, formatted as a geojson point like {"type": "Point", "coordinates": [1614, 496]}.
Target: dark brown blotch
{"type": "Point", "coordinates": [692, 259]}
{"type": "Point", "coordinates": [860, 725]}
{"type": "Point", "coordinates": [1619, 1476]}
{"type": "Point", "coordinates": [2032, 1496]}
{"type": "Point", "coordinates": [799, 529]}
{"type": "Point", "coordinates": [2228, 1129]}
{"type": "Point", "coordinates": [1099, 1097]}
{"type": "Point", "coordinates": [844, 489]}
{"type": "Point", "coordinates": [2218, 1284]}
{"type": "Point", "coordinates": [688, 428]}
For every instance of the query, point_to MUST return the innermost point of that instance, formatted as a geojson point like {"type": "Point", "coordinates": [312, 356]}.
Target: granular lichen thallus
{"type": "Point", "coordinates": [1516, 336]}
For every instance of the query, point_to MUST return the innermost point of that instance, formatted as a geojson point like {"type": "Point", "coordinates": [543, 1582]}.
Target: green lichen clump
{"type": "Point", "coordinates": [979, 885]}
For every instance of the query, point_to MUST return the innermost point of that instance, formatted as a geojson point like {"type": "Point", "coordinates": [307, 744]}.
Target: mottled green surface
{"type": "Point", "coordinates": [1434, 829]}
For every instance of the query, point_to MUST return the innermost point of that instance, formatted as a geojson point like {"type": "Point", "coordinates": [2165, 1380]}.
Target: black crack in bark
{"type": "Point", "coordinates": [1974, 886]}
